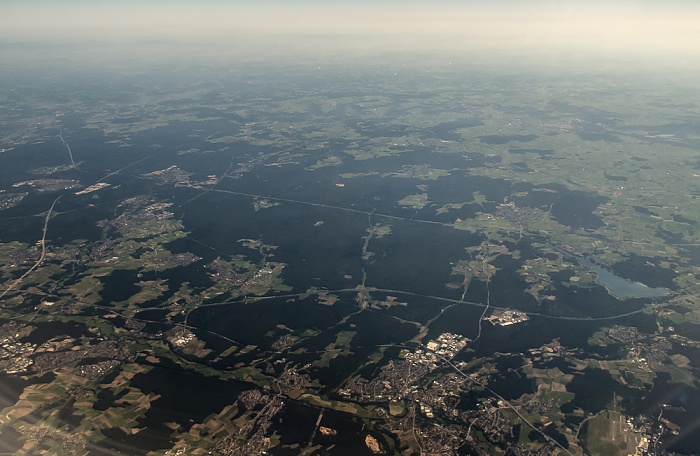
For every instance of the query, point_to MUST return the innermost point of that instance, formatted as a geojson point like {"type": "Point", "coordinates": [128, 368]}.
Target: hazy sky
{"type": "Point", "coordinates": [614, 26]}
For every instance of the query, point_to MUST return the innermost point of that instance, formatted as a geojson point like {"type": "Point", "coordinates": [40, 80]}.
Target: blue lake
{"type": "Point", "coordinates": [619, 287]}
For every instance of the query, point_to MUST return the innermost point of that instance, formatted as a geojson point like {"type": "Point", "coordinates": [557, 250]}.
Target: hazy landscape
{"type": "Point", "coordinates": [316, 230]}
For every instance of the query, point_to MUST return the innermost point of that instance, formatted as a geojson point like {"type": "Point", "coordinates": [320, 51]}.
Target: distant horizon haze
{"type": "Point", "coordinates": [603, 28]}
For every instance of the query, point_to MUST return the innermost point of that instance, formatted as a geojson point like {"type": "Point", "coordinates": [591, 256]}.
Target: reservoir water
{"type": "Point", "coordinates": [620, 287]}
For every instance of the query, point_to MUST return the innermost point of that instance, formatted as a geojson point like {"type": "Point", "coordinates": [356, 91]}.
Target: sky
{"type": "Point", "coordinates": [615, 26]}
